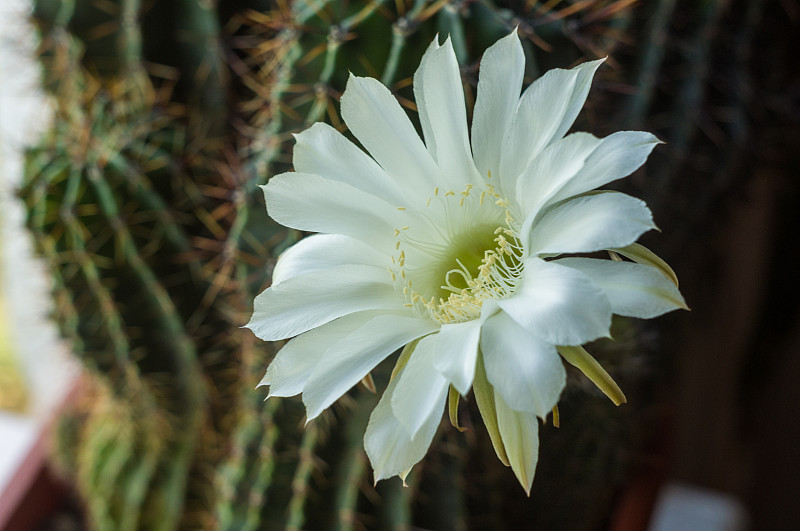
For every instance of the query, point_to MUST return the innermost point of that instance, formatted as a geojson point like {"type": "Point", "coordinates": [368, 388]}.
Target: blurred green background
{"type": "Point", "coordinates": [142, 200]}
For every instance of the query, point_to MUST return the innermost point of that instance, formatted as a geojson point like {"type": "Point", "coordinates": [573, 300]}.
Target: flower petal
{"type": "Point", "coordinates": [375, 117]}
{"type": "Point", "coordinates": [390, 448]}
{"type": "Point", "coordinates": [634, 290]}
{"type": "Point", "coordinates": [617, 156]}
{"type": "Point", "coordinates": [312, 203]}
{"type": "Point", "coordinates": [549, 171]}
{"type": "Point", "coordinates": [526, 371]}
{"type": "Point", "coordinates": [590, 223]}
{"type": "Point", "coordinates": [440, 100]}
{"type": "Point", "coordinates": [420, 387]}
{"type": "Point", "coordinates": [520, 434]}
{"type": "Point", "coordinates": [322, 150]}
{"type": "Point", "coordinates": [424, 119]}
{"type": "Point", "coordinates": [346, 362]}
{"type": "Point", "coordinates": [559, 304]}
{"type": "Point", "coordinates": [324, 251]}
{"type": "Point", "coordinates": [546, 111]}
{"type": "Point", "coordinates": [302, 303]}
{"type": "Point", "coordinates": [499, 85]}
{"type": "Point", "coordinates": [457, 347]}
{"type": "Point", "coordinates": [295, 362]}
{"type": "Point", "coordinates": [584, 74]}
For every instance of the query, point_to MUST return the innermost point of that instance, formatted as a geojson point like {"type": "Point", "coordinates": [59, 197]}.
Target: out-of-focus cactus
{"type": "Point", "coordinates": [13, 394]}
{"type": "Point", "coordinates": [143, 200]}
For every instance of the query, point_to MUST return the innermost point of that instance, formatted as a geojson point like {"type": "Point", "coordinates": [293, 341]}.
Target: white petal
{"type": "Point", "coordinates": [420, 388]}
{"type": "Point", "coordinates": [390, 448]}
{"type": "Point", "coordinates": [294, 363]}
{"type": "Point", "coordinates": [584, 75]}
{"type": "Point", "coordinates": [591, 223]}
{"type": "Point", "coordinates": [302, 303]}
{"type": "Point", "coordinates": [526, 371]}
{"type": "Point", "coordinates": [617, 156]}
{"type": "Point", "coordinates": [324, 251]}
{"type": "Point", "coordinates": [457, 347]}
{"type": "Point", "coordinates": [346, 362]}
{"type": "Point", "coordinates": [419, 81]}
{"type": "Point", "coordinates": [559, 304]}
{"type": "Point", "coordinates": [375, 117]}
{"type": "Point", "coordinates": [549, 171]}
{"type": "Point", "coordinates": [440, 99]}
{"type": "Point", "coordinates": [520, 434]}
{"type": "Point", "coordinates": [546, 111]}
{"type": "Point", "coordinates": [499, 85]}
{"type": "Point", "coordinates": [634, 290]}
{"type": "Point", "coordinates": [322, 150]}
{"type": "Point", "coordinates": [312, 203]}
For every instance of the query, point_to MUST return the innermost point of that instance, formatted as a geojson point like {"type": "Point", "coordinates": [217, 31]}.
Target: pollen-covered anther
{"type": "Point", "coordinates": [496, 279]}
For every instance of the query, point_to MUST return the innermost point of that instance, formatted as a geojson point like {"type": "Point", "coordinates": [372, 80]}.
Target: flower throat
{"type": "Point", "coordinates": [464, 269]}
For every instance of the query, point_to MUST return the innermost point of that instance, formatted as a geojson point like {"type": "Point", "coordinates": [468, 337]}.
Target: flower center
{"type": "Point", "coordinates": [469, 253]}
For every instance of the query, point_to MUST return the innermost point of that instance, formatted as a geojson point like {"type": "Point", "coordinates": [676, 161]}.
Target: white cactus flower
{"type": "Point", "coordinates": [461, 249]}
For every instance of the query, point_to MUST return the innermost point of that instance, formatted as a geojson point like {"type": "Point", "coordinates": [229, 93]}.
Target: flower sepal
{"type": "Point", "coordinates": [642, 255]}
{"type": "Point", "coordinates": [584, 362]}
{"type": "Point", "coordinates": [484, 397]}
{"type": "Point", "coordinates": [453, 398]}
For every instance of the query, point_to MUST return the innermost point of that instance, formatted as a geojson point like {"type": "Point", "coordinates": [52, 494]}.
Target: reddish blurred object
{"type": "Point", "coordinates": [31, 492]}
{"type": "Point", "coordinates": [30, 501]}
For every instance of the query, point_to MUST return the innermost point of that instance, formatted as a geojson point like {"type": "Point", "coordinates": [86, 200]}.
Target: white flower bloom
{"type": "Point", "coordinates": [455, 247]}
